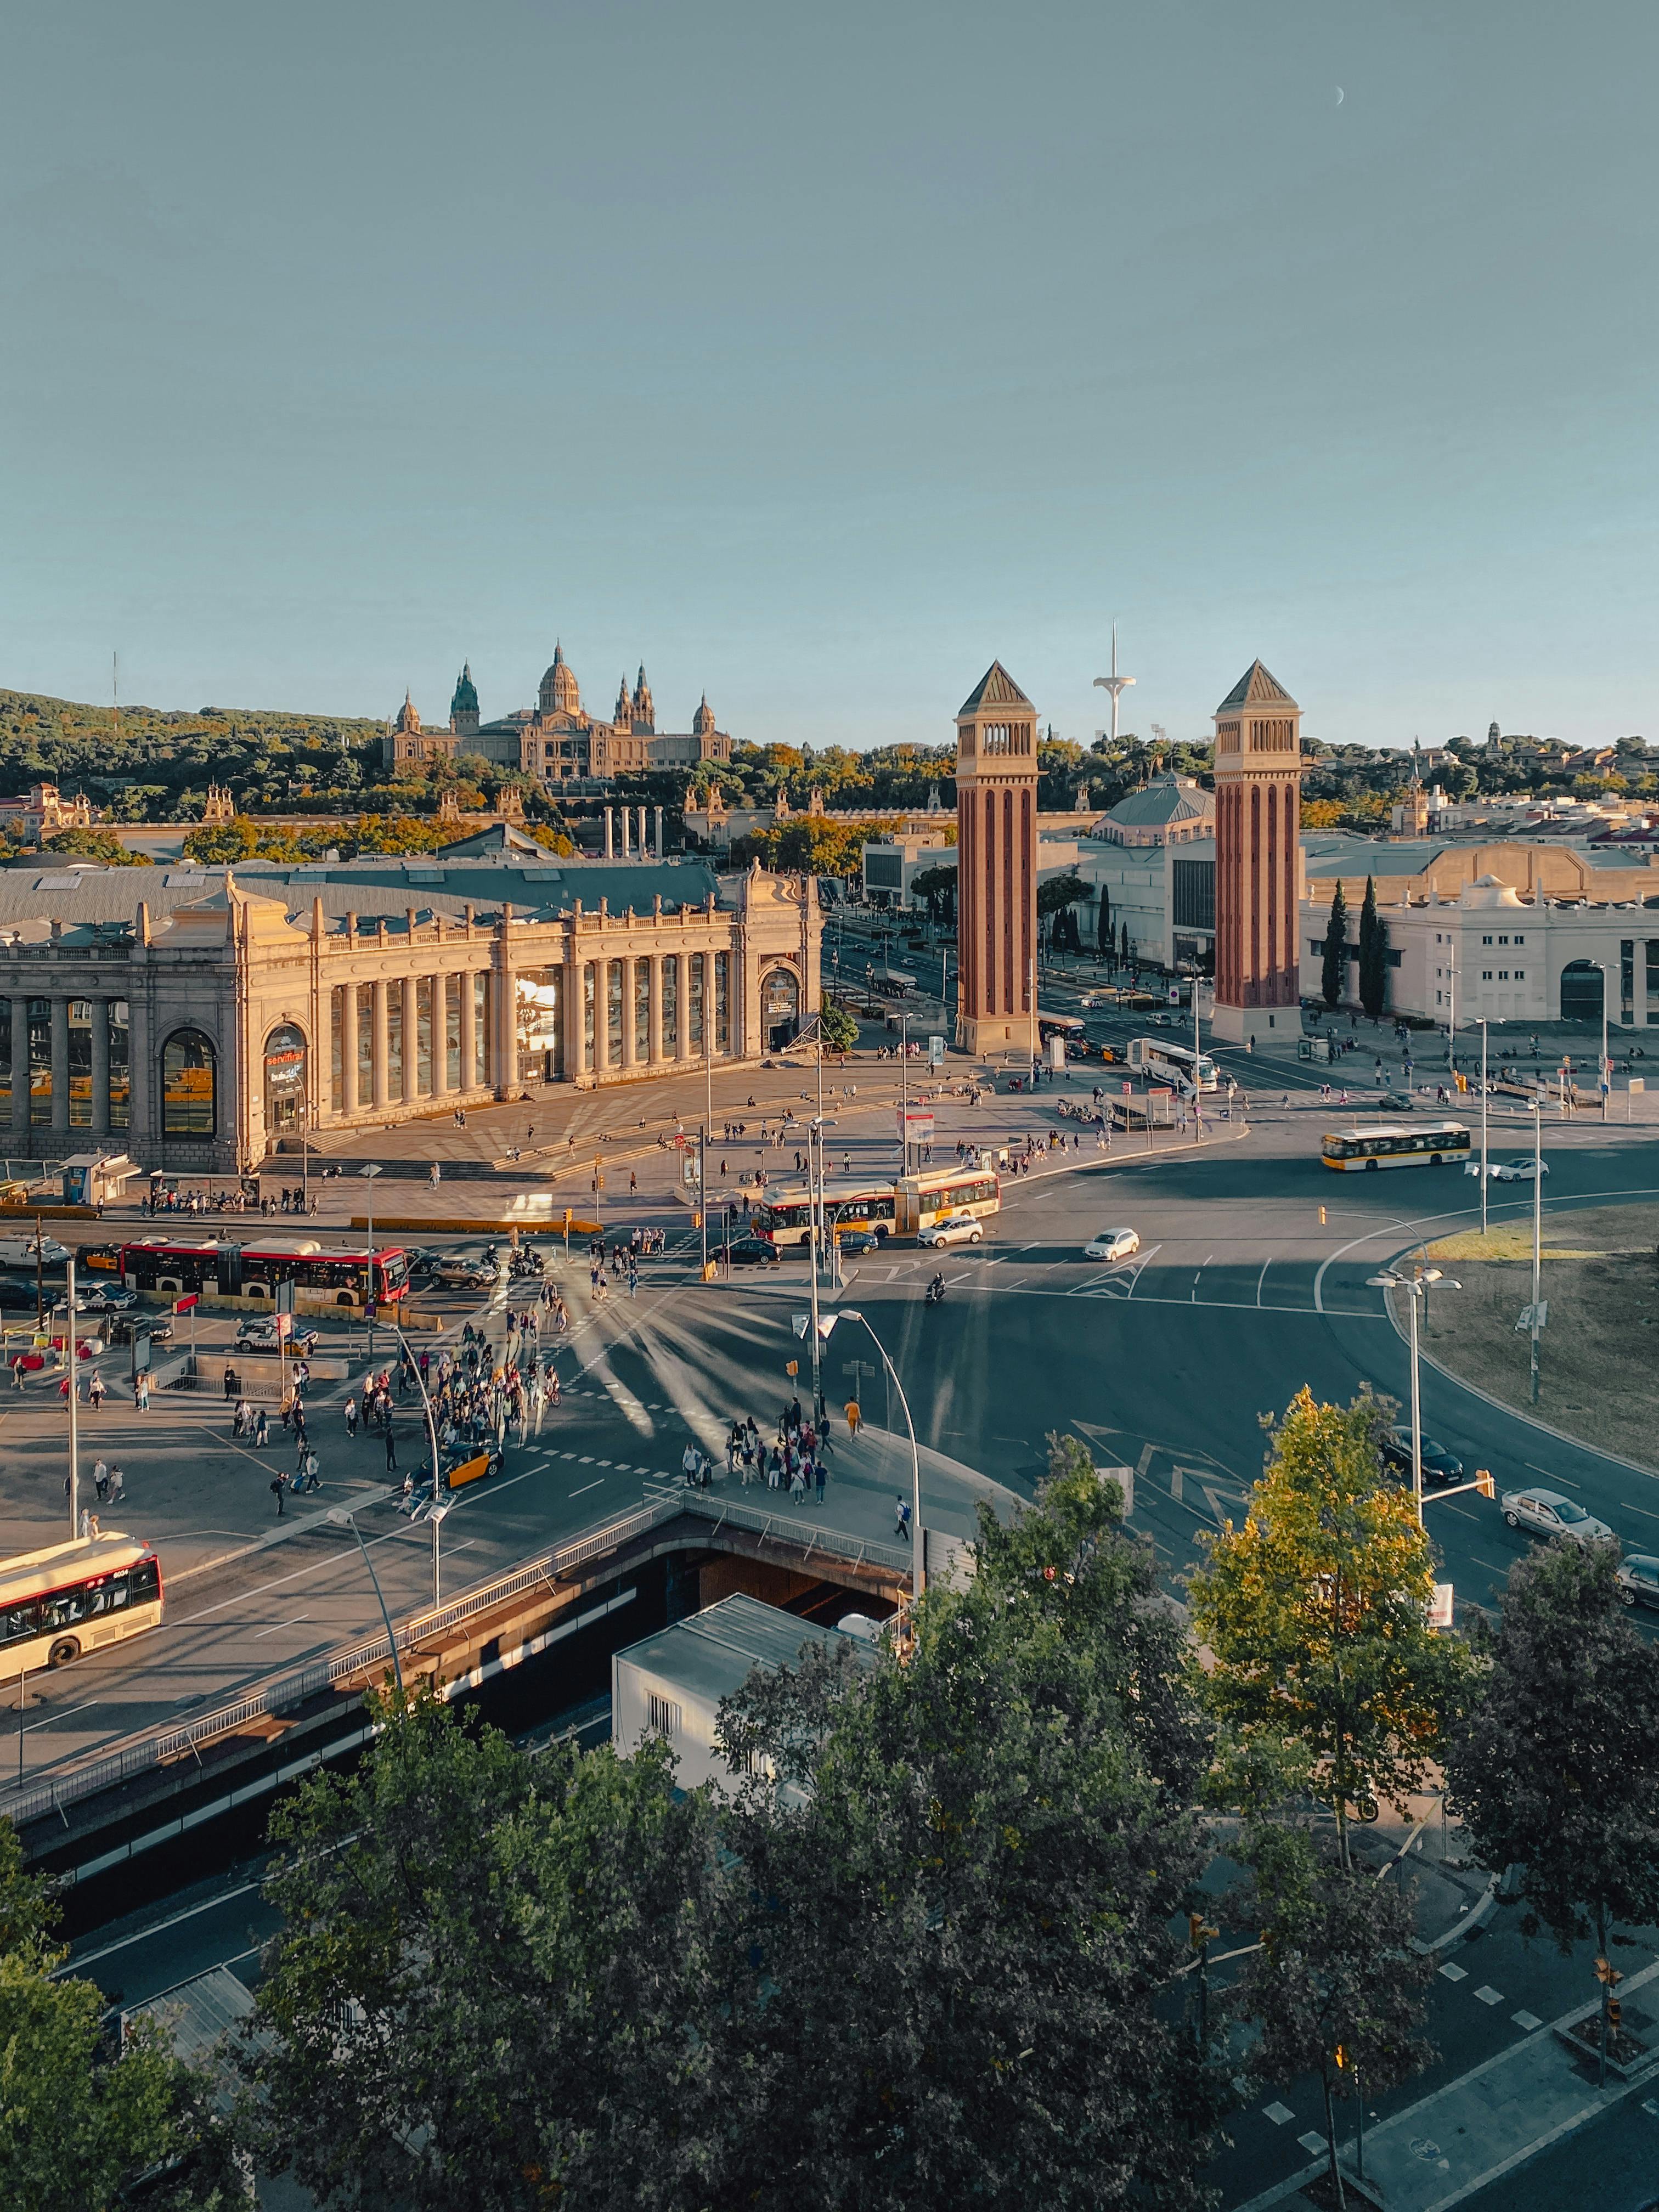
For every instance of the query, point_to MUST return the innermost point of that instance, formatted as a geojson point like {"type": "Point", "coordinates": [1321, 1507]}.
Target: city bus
{"type": "Point", "coordinates": [167, 1267]}
{"type": "Point", "coordinates": [1068, 1026]}
{"type": "Point", "coordinates": [785, 1212]}
{"type": "Point", "coordinates": [1395, 1145]}
{"type": "Point", "coordinates": [900, 1205]}
{"type": "Point", "coordinates": [70, 1598]}
{"type": "Point", "coordinates": [1162, 1062]}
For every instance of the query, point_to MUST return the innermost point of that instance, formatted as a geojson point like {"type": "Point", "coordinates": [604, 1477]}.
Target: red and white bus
{"type": "Point", "coordinates": [70, 1598]}
{"type": "Point", "coordinates": [169, 1267]}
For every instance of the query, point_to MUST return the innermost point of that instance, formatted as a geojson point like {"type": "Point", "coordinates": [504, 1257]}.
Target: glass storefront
{"type": "Point", "coordinates": [285, 1081]}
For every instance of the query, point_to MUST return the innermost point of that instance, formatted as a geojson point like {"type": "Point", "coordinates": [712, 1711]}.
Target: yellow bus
{"type": "Point", "coordinates": [70, 1598]}
{"type": "Point", "coordinates": [937, 1193]}
{"type": "Point", "coordinates": [1395, 1145]}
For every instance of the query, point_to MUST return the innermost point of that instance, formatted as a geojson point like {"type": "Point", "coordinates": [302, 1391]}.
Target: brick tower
{"type": "Point", "coordinates": [996, 866]}
{"type": "Point", "coordinates": [1258, 860]}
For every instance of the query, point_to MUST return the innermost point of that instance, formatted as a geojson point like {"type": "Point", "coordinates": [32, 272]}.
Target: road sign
{"type": "Point", "coordinates": [1440, 1611]}
{"type": "Point", "coordinates": [370, 1310]}
{"type": "Point", "coordinates": [915, 1125]}
{"type": "Point", "coordinates": [800, 1323]}
{"type": "Point", "coordinates": [188, 1304]}
{"type": "Point", "coordinates": [285, 1325]}
{"type": "Point", "coordinates": [1541, 1311]}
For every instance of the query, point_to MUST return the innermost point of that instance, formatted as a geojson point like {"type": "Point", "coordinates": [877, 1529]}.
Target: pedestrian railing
{"type": "Point", "coordinates": [807, 1536]}
{"type": "Point", "coordinates": [143, 1754]}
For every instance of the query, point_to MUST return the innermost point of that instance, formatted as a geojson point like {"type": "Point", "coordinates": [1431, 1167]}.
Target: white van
{"type": "Point", "coordinates": [23, 1251]}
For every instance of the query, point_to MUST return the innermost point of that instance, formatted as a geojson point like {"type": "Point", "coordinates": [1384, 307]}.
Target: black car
{"type": "Point", "coordinates": [1438, 1464]}
{"type": "Point", "coordinates": [853, 1241]}
{"type": "Point", "coordinates": [17, 1292]}
{"type": "Point", "coordinates": [755, 1252]}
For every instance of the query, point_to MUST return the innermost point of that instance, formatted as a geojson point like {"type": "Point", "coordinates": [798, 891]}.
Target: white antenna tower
{"type": "Point", "coordinates": [1115, 683]}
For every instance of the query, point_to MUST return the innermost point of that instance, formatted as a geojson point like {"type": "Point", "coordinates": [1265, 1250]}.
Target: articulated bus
{"type": "Point", "coordinates": [1396, 1145]}
{"type": "Point", "coordinates": [169, 1267]}
{"type": "Point", "coordinates": [900, 1207]}
{"type": "Point", "coordinates": [1161, 1062]}
{"type": "Point", "coordinates": [75, 1597]}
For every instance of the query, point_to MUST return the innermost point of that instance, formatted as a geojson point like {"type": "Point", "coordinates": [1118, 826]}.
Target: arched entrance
{"type": "Point", "coordinates": [781, 1008]}
{"type": "Point", "coordinates": [285, 1081]}
{"type": "Point", "coordinates": [1581, 991]}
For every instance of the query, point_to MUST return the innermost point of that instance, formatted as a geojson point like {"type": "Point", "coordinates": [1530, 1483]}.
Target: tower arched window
{"type": "Point", "coordinates": [190, 1085]}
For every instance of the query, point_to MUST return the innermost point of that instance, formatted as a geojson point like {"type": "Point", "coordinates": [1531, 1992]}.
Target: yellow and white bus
{"type": "Point", "coordinates": [1395, 1145]}
{"type": "Point", "coordinates": [886, 1207]}
{"type": "Point", "coordinates": [70, 1598]}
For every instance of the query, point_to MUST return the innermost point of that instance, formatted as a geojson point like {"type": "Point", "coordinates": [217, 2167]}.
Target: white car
{"type": "Point", "coordinates": [1113, 1245]}
{"type": "Point", "coordinates": [1523, 1167]}
{"type": "Point", "coordinates": [1546, 1513]}
{"type": "Point", "coordinates": [955, 1228]}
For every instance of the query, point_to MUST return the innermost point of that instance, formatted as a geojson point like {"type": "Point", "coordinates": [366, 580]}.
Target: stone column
{"type": "Point", "coordinates": [19, 1068]}
{"type": "Point", "coordinates": [60, 1067]}
{"type": "Point", "coordinates": [101, 1067]}
{"type": "Point", "coordinates": [439, 987]}
{"type": "Point", "coordinates": [682, 1024]}
{"type": "Point", "coordinates": [630, 981]}
{"type": "Point", "coordinates": [347, 1052]}
{"type": "Point", "coordinates": [656, 1007]}
{"type": "Point", "coordinates": [469, 1031]}
{"type": "Point", "coordinates": [601, 1014]}
{"type": "Point", "coordinates": [658, 825]}
{"type": "Point", "coordinates": [574, 1061]}
{"type": "Point", "coordinates": [382, 1045]}
{"type": "Point", "coordinates": [411, 1039]}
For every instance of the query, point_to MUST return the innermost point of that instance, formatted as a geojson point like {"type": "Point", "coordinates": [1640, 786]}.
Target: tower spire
{"type": "Point", "coordinates": [1116, 684]}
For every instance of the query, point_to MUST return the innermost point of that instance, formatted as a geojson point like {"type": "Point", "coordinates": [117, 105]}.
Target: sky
{"type": "Point", "coordinates": [814, 356]}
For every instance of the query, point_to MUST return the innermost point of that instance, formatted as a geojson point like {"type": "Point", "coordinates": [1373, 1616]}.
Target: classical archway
{"type": "Point", "coordinates": [780, 1007]}
{"type": "Point", "coordinates": [286, 1077]}
{"type": "Point", "coordinates": [1581, 991]}
{"type": "Point", "coordinates": [190, 1085]}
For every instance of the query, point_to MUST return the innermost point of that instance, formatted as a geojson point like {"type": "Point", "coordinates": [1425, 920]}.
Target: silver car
{"type": "Point", "coordinates": [1639, 1579]}
{"type": "Point", "coordinates": [1546, 1513]}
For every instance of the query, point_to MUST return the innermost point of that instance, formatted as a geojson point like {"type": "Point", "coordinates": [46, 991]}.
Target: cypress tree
{"type": "Point", "coordinates": [1333, 980]}
{"type": "Point", "coordinates": [1103, 924]}
{"type": "Point", "coordinates": [1373, 954]}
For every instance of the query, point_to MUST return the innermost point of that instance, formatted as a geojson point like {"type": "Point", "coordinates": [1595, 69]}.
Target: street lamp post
{"type": "Point", "coordinates": [74, 1401]}
{"type": "Point", "coordinates": [440, 1507]}
{"type": "Point", "coordinates": [1534, 1316]}
{"type": "Point", "coordinates": [337, 1515]}
{"type": "Point", "coordinates": [368, 1174]}
{"type": "Point", "coordinates": [917, 1573]}
{"type": "Point", "coordinates": [1483, 1124]}
{"type": "Point", "coordinates": [1416, 1286]}
{"type": "Point", "coordinates": [815, 1210]}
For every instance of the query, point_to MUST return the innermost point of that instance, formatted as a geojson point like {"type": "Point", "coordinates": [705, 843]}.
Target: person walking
{"type": "Point", "coordinates": [278, 1485]}
{"type": "Point", "coordinates": [855, 1415]}
{"type": "Point", "coordinates": [901, 1526]}
{"type": "Point", "coordinates": [351, 1418]}
{"type": "Point", "coordinates": [144, 1392]}
{"type": "Point", "coordinates": [818, 1471]}
{"type": "Point", "coordinates": [95, 1391]}
{"type": "Point", "coordinates": [117, 1485]}
{"type": "Point", "coordinates": [391, 1446]}
{"type": "Point", "coordinates": [17, 1371]}
{"type": "Point", "coordinates": [261, 1430]}
{"type": "Point", "coordinates": [101, 1481]}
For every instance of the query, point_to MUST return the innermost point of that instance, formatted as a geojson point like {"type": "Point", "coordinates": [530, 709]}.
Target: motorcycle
{"type": "Point", "coordinates": [935, 1291]}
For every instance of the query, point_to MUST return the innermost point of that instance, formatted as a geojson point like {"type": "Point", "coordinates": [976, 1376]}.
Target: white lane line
{"type": "Point", "coordinates": [1491, 1565]}
{"type": "Point", "coordinates": [1261, 1278]}
{"type": "Point", "coordinates": [298, 1618]}
{"type": "Point", "coordinates": [75, 1966]}
{"type": "Point", "coordinates": [70, 1715]}
{"type": "Point", "coordinates": [1626, 1507]}
{"type": "Point", "coordinates": [585, 1488]}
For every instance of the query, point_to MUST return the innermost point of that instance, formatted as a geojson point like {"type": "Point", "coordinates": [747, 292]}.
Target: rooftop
{"type": "Point", "coordinates": [712, 1654]}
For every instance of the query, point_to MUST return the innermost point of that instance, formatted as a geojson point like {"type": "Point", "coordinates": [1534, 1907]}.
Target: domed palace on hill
{"type": "Point", "coordinates": [557, 741]}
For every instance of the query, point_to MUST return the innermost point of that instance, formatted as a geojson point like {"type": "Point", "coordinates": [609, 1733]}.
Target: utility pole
{"type": "Point", "coordinates": [1537, 1232]}
{"type": "Point", "coordinates": [1483, 1124]}
{"type": "Point", "coordinates": [74, 1404]}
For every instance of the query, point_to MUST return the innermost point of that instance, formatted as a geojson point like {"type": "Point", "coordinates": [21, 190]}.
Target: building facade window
{"type": "Point", "coordinates": [641, 971]}
{"type": "Point", "coordinates": [39, 1050]}
{"type": "Point", "coordinates": [285, 1081]}
{"type": "Point", "coordinates": [80, 1012]}
{"type": "Point", "coordinates": [453, 989]}
{"type": "Point", "coordinates": [423, 1036]}
{"type": "Point", "coordinates": [590, 1012]}
{"type": "Point", "coordinates": [120, 1065]}
{"type": "Point", "coordinates": [394, 1041]}
{"type": "Point", "coordinates": [780, 1009]}
{"type": "Point", "coordinates": [613, 1010]}
{"type": "Point", "coordinates": [483, 1038]}
{"type": "Point", "coordinates": [671, 1007]}
{"type": "Point", "coordinates": [540, 1039]}
{"type": "Point", "coordinates": [190, 1085]}
{"type": "Point", "coordinates": [337, 1049]}
{"type": "Point", "coordinates": [1627, 979]}
{"type": "Point", "coordinates": [365, 1043]}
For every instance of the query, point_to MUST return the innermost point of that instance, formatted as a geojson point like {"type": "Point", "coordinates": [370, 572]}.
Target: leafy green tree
{"type": "Point", "coordinates": [1373, 954]}
{"type": "Point", "coordinates": [1333, 974]}
{"type": "Point", "coordinates": [79, 2124]}
{"type": "Point", "coordinates": [959, 1929]}
{"type": "Point", "coordinates": [1060, 891]}
{"type": "Point", "coordinates": [838, 1027]}
{"type": "Point", "coordinates": [497, 1983]}
{"type": "Point", "coordinates": [1336, 1989]}
{"type": "Point", "coordinates": [937, 886]}
{"type": "Point", "coordinates": [96, 845]}
{"type": "Point", "coordinates": [1555, 1766]}
{"type": "Point", "coordinates": [1317, 1612]}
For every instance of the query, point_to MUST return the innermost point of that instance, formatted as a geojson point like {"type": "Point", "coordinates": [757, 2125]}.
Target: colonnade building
{"type": "Point", "coordinates": [192, 1017]}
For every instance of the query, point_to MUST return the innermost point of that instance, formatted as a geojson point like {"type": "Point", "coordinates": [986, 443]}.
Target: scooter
{"type": "Point", "coordinates": [935, 1291]}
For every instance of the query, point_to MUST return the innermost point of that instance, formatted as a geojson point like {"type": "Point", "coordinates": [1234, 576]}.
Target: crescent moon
{"type": "Point", "coordinates": [1339, 95]}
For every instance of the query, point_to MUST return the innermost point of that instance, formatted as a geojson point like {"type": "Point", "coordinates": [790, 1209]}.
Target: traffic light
{"type": "Point", "coordinates": [1614, 2015]}
{"type": "Point", "coordinates": [1484, 1483]}
{"type": "Point", "coordinates": [1197, 1932]}
{"type": "Point", "coordinates": [1341, 2059]}
{"type": "Point", "coordinates": [1607, 1972]}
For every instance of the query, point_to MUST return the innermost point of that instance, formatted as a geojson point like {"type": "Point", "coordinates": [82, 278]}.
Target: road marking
{"type": "Point", "coordinates": [1491, 1565]}
{"type": "Point", "coordinates": [1454, 1973]}
{"type": "Point", "coordinates": [1214, 1498]}
{"type": "Point", "coordinates": [70, 1715]}
{"type": "Point", "coordinates": [1278, 2114]}
{"type": "Point", "coordinates": [298, 1618]}
{"type": "Point", "coordinates": [142, 1935]}
{"type": "Point", "coordinates": [1550, 1474]}
{"type": "Point", "coordinates": [585, 1488]}
{"type": "Point", "coordinates": [1527, 2020]}
{"type": "Point", "coordinates": [1144, 1460]}
{"type": "Point", "coordinates": [1261, 1278]}
{"type": "Point", "coordinates": [1312, 2144]}
{"type": "Point", "coordinates": [1488, 1995]}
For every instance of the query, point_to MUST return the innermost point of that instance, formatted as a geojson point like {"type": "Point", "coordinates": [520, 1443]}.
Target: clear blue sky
{"type": "Point", "coordinates": [815, 355]}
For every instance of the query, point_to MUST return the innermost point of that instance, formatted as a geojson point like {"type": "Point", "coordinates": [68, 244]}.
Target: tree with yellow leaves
{"type": "Point", "coordinates": [1316, 1615]}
